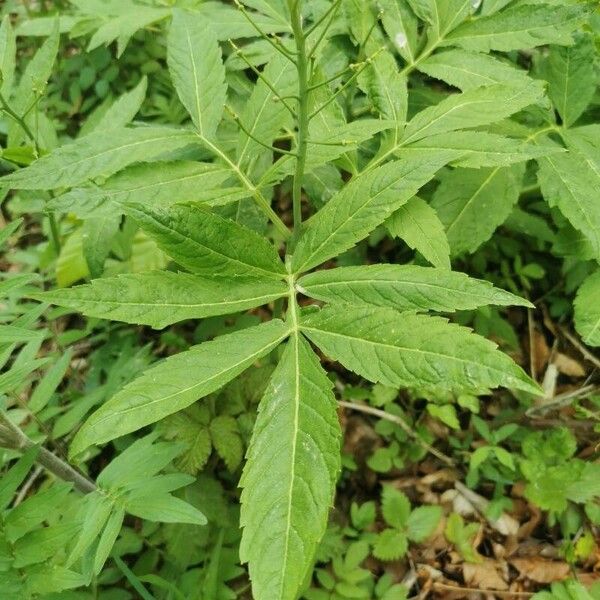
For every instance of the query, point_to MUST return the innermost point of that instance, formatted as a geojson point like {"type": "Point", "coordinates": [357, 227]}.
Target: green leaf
{"type": "Point", "coordinates": [263, 118]}
{"type": "Point", "coordinates": [10, 482]}
{"type": "Point", "coordinates": [444, 15]}
{"type": "Point", "coordinates": [49, 382]}
{"type": "Point", "coordinates": [121, 26]}
{"type": "Point", "coordinates": [160, 298]}
{"type": "Point", "coordinates": [473, 108]}
{"type": "Point", "coordinates": [341, 139]}
{"type": "Point", "coordinates": [8, 53]}
{"type": "Point", "coordinates": [32, 86]}
{"type": "Point", "coordinates": [575, 481]}
{"type": "Point", "coordinates": [422, 522]}
{"type": "Point", "coordinates": [42, 544]}
{"type": "Point", "coordinates": [420, 227]}
{"type": "Point", "coordinates": [413, 351]}
{"type": "Point", "coordinates": [208, 244]}
{"type": "Point", "coordinates": [290, 475]}
{"type": "Point", "coordinates": [97, 235]}
{"type": "Point", "coordinates": [197, 70]}
{"type": "Point", "coordinates": [400, 24]}
{"type": "Point", "coordinates": [390, 544]}
{"type": "Point", "coordinates": [225, 435]}
{"type": "Point", "coordinates": [164, 508]}
{"type": "Point", "coordinates": [101, 153]}
{"type": "Point", "coordinates": [386, 88]}
{"type": "Point", "coordinates": [462, 536]}
{"type": "Point", "coordinates": [363, 205]}
{"type": "Point", "coordinates": [587, 310]}
{"type": "Point", "coordinates": [472, 203]}
{"type": "Point", "coordinates": [571, 78]}
{"type": "Point", "coordinates": [469, 70]}
{"type": "Point", "coordinates": [10, 333]}
{"type": "Point", "coordinates": [108, 539]}
{"type": "Point", "coordinates": [157, 184]}
{"type": "Point", "coordinates": [395, 507]}
{"type": "Point", "coordinates": [520, 26]}
{"type": "Point", "coordinates": [569, 182]}
{"type": "Point", "coordinates": [98, 508]}
{"type": "Point", "coordinates": [34, 510]}
{"type": "Point", "coordinates": [404, 287]}
{"type": "Point", "coordinates": [178, 382]}
{"type": "Point", "coordinates": [45, 579]}
{"type": "Point", "coordinates": [71, 265]}
{"type": "Point", "coordinates": [124, 109]}
{"type": "Point", "coordinates": [229, 23]}
{"type": "Point", "coordinates": [8, 230]}
{"type": "Point", "coordinates": [483, 149]}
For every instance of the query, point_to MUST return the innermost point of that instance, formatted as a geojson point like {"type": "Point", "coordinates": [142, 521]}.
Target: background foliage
{"type": "Point", "coordinates": [442, 133]}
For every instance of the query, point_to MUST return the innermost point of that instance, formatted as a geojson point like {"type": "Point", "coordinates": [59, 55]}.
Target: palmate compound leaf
{"type": "Point", "coordinates": [197, 70]}
{"type": "Point", "coordinates": [362, 205]}
{"type": "Point", "coordinates": [289, 479]}
{"type": "Point", "coordinates": [520, 26]}
{"type": "Point", "coordinates": [159, 298]}
{"type": "Point", "coordinates": [587, 310]}
{"type": "Point", "coordinates": [178, 382]}
{"type": "Point", "coordinates": [404, 287]}
{"type": "Point", "coordinates": [208, 244]}
{"type": "Point", "coordinates": [101, 153]}
{"type": "Point", "coordinates": [413, 351]}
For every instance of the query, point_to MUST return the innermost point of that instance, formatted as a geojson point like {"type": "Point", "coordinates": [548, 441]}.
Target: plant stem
{"type": "Point", "coordinates": [302, 64]}
{"type": "Point", "coordinates": [262, 202]}
{"type": "Point", "coordinates": [54, 232]}
{"type": "Point", "coordinates": [13, 437]}
{"type": "Point", "coordinates": [4, 106]}
{"type": "Point", "coordinates": [382, 414]}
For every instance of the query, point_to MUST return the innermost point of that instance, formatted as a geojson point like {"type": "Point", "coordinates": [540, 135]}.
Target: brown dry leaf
{"type": "Point", "coordinates": [540, 351]}
{"type": "Point", "coordinates": [541, 570]}
{"type": "Point", "coordinates": [485, 575]}
{"type": "Point", "coordinates": [568, 366]}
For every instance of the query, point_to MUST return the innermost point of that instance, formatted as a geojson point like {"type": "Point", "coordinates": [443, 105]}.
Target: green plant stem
{"type": "Point", "coordinates": [262, 202]}
{"type": "Point", "coordinates": [54, 232]}
{"type": "Point", "coordinates": [21, 122]}
{"type": "Point", "coordinates": [302, 64]}
{"type": "Point", "coordinates": [14, 438]}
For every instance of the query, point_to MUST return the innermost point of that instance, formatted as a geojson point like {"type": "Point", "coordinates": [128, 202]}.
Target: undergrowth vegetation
{"type": "Point", "coordinates": [299, 299]}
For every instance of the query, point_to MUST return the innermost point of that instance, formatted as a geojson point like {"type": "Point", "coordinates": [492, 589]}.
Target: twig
{"type": "Point", "coordinates": [532, 357]}
{"type": "Point", "coordinates": [13, 437]}
{"type": "Point", "coordinates": [27, 485]}
{"type": "Point", "coordinates": [402, 424]}
{"type": "Point", "coordinates": [577, 344]}
{"type": "Point", "coordinates": [458, 588]}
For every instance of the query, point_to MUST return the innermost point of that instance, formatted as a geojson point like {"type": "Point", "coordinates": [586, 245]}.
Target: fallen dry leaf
{"type": "Point", "coordinates": [541, 570]}
{"type": "Point", "coordinates": [568, 366]}
{"type": "Point", "coordinates": [485, 575]}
